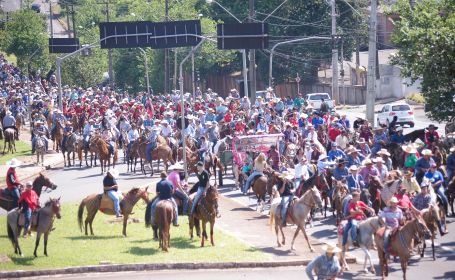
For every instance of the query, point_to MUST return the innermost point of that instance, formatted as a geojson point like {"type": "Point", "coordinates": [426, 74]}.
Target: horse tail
{"type": "Point", "coordinates": [148, 214]}
{"type": "Point", "coordinates": [11, 235]}
{"type": "Point", "coordinates": [80, 213]}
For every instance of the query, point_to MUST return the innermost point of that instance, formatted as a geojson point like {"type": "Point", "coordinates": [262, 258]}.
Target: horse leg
{"type": "Point", "coordinates": [432, 246]}
{"type": "Point", "coordinates": [204, 232]}
{"type": "Point", "coordinates": [211, 233]}
{"type": "Point", "coordinates": [38, 236]}
{"type": "Point", "coordinates": [46, 235]}
{"type": "Point", "coordinates": [125, 221]}
{"type": "Point", "coordinates": [277, 235]}
{"type": "Point", "coordinates": [282, 235]}
{"type": "Point", "coordinates": [307, 240]}
{"type": "Point", "coordinates": [295, 236]}
{"type": "Point", "coordinates": [404, 265]}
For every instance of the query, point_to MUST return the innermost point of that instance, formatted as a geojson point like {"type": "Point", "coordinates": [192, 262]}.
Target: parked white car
{"type": "Point", "coordinates": [403, 111]}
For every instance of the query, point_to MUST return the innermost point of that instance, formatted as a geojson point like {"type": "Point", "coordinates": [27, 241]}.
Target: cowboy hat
{"type": "Point", "coordinates": [432, 126]}
{"type": "Point", "coordinates": [340, 161]}
{"type": "Point", "coordinates": [409, 149]}
{"type": "Point", "coordinates": [393, 200]}
{"type": "Point", "coordinates": [14, 162]}
{"type": "Point", "coordinates": [400, 128]}
{"type": "Point", "coordinates": [378, 128]}
{"type": "Point", "coordinates": [427, 152]}
{"type": "Point", "coordinates": [378, 159]}
{"type": "Point", "coordinates": [353, 168]}
{"type": "Point", "coordinates": [113, 172]}
{"type": "Point", "coordinates": [330, 248]}
{"type": "Point", "coordinates": [367, 161]}
{"type": "Point", "coordinates": [452, 149]}
{"type": "Point", "coordinates": [176, 166]}
{"type": "Point", "coordinates": [321, 157]}
{"type": "Point", "coordinates": [383, 152]}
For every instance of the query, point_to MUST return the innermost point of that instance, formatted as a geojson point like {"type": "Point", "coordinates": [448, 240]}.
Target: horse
{"type": "Point", "coordinates": [57, 136]}
{"type": "Point", "coordinates": [104, 154]}
{"type": "Point", "coordinates": [42, 224]}
{"type": "Point", "coordinates": [366, 229]}
{"type": "Point", "coordinates": [259, 187]}
{"type": "Point", "coordinates": [161, 152]}
{"type": "Point", "coordinates": [10, 138]}
{"type": "Point", "coordinates": [93, 204]}
{"type": "Point", "coordinates": [71, 147]}
{"type": "Point", "coordinates": [164, 214]}
{"type": "Point", "coordinates": [451, 194]}
{"type": "Point", "coordinates": [400, 244]}
{"type": "Point", "coordinates": [40, 149]}
{"type": "Point", "coordinates": [205, 212]}
{"type": "Point", "coordinates": [20, 120]}
{"type": "Point", "coordinates": [389, 189]}
{"type": "Point", "coordinates": [38, 183]}
{"type": "Point", "coordinates": [396, 154]}
{"type": "Point", "coordinates": [431, 217]}
{"type": "Point", "coordinates": [297, 214]}
{"type": "Point", "coordinates": [337, 200]}
{"type": "Point", "coordinates": [414, 135]}
{"type": "Point", "coordinates": [375, 188]}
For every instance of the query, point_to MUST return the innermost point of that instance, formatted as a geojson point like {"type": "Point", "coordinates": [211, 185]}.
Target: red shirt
{"type": "Point", "coordinates": [359, 205]}
{"type": "Point", "coordinates": [227, 118]}
{"type": "Point", "coordinates": [12, 181]}
{"type": "Point", "coordinates": [31, 198]}
{"type": "Point", "coordinates": [403, 201]}
{"type": "Point", "coordinates": [333, 133]}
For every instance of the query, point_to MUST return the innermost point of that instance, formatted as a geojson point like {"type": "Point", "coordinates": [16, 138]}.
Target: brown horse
{"type": "Point", "coordinates": [93, 203]}
{"type": "Point", "coordinates": [161, 152]}
{"type": "Point", "coordinates": [104, 154]}
{"type": "Point", "coordinates": [400, 244]}
{"type": "Point", "coordinates": [71, 147]}
{"type": "Point", "coordinates": [38, 183]}
{"type": "Point", "coordinates": [57, 137]}
{"type": "Point", "coordinates": [10, 138]}
{"type": "Point", "coordinates": [43, 225]}
{"type": "Point", "coordinates": [339, 194]}
{"type": "Point", "coordinates": [164, 215]}
{"type": "Point", "coordinates": [431, 217]}
{"type": "Point", "coordinates": [205, 212]}
{"type": "Point", "coordinates": [375, 187]}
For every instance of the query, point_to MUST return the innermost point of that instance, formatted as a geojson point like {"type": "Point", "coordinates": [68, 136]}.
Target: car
{"type": "Point", "coordinates": [36, 7]}
{"type": "Point", "coordinates": [315, 100]}
{"type": "Point", "coordinates": [402, 110]}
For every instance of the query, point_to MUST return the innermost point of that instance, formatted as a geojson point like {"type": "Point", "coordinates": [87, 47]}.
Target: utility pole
{"type": "Point", "coordinates": [175, 70]}
{"type": "Point", "coordinates": [335, 92]}
{"type": "Point", "coordinates": [343, 91]}
{"type": "Point", "coordinates": [192, 74]}
{"type": "Point", "coordinates": [371, 78]}
{"type": "Point", "coordinates": [74, 21]}
{"type": "Point", "coordinates": [51, 16]}
{"type": "Point", "coordinates": [166, 52]}
{"type": "Point", "coordinates": [68, 20]}
{"type": "Point", "coordinates": [109, 51]}
{"type": "Point", "coordinates": [252, 68]}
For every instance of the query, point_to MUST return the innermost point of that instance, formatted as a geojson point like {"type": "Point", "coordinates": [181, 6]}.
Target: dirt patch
{"type": "Point", "coordinates": [4, 259]}
{"type": "Point", "coordinates": [120, 221]}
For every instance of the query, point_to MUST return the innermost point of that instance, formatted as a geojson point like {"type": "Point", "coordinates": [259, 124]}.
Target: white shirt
{"type": "Point", "coordinates": [301, 170]}
{"type": "Point", "coordinates": [87, 129]}
{"type": "Point", "coordinates": [166, 131]}
{"type": "Point", "coordinates": [342, 141]}
{"type": "Point", "coordinates": [133, 135]}
{"type": "Point", "coordinates": [312, 136]}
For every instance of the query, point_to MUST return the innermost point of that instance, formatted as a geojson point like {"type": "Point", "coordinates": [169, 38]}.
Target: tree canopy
{"type": "Point", "coordinates": [426, 39]}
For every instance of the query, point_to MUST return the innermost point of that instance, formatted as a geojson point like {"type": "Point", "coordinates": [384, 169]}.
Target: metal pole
{"type": "Point", "coordinates": [68, 20]}
{"type": "Point", "coordinates": [59, 82]}
{"type": "Point", "coordinates": [74, 21]}
{"type": "Point", "coordinates": [335, 93]}
{"type": "Point", "coordinates": [371, 79]}
{"type": "Point", "coordinates": [192, 74]}
{"type": "Point", "coordinates": [175, 70]}
{"type": "Point", "coordinates": [252, 58]}
{"type": "Point", "coordinates": [51, 16]}
{"type": "Point", "coordinates": [343, 90]}
{"type": "Point", "coordinates": [109, 54]}
{"type": "Point", "coordinates": [182, 104]}
{"type": "Point", "coordinates": [166, 52]}
{"type": "Point", "coordinates": [245, 73]}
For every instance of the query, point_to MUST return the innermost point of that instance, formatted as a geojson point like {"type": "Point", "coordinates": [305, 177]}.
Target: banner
{"type": "Point", "coordinates": [253, 143]}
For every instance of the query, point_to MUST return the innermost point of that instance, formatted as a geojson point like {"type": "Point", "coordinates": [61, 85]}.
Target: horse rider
{"type": "Point", "coordinates": [437, 182]}
{"type": "Point", "coordinates": [423, 164]}
{"type": "Point", "coordinates": [29, 202]}
{"type": "Point", "coordinates": [368, 171]}
{"type": "Point", "coordinates": [67, 131]}
{"type": "Point", "coordinates": [87, 132]}
{"type": "Point", "coordinates": [202, 186]}
{"type": "Point", "coordinates": [423, 200]}
{"type": "Point", "coordinates": [363, 149]}
{"type": "Point", "coordinates": [111, 189]}
{"type": "Point", "coordinates": [354, 180]}
{"type": "Point", "coordinates": [179, 190]}
{"type": "Point", "coordinates": [301, 173]}
{"type": "Point", "coordinates": [10, 122]}
{"type": "Point", "coordinates": [213, 134]}
{"type": "Point", "coordinates": [394, 218]}
{"type": "Point", "coordinates": [285, 188]}
{"type": "Point", "coordinates": [398, 137]}
{"type": "Point", "coordinates": [340, 172]}
{"type": "Point", "coordinates": [450, 164]}
{"type": "Point", "coordinates": [431, 135]}
{"type": "Point", "coordinates": [204, 148]}
{"type": "Point", "coordinates": [323, 165]}
{"type": "Point", "coordinates": [275, 157]}
{"type": "Point", "coordinates": [153, 143]}
{"type": "Point", "coordinates": [353, 157]}
{"type": "Point", "coordinates": [335, 152]}
{"type": "Point", "coordinates": [57, 117]}
{"type": "Point", "coordinates": [133, 135]}
{"type": "Point", "coordinates": [164, 191]}
{"type": "Point", "coordinates": [392, 125]}
{"type": "Point", "coordinates": [410, 183]}
{"type": "Point", "coordinates": [108, 137]}
{"type": "Point", "coordinates": [356, 214]}
{"type": "Point", "coordinates": [326, 266]}
{"type": "Point", "coordinates": [13, 184]}
{"type": "Point", "coordinates": [39, 131]}
{"type": "Point", "coordinates": [385, 155]}
{"type": "Point", "coordinates": [379, 140]}
{"type": "Point", "coordinates": [383, 173]}
{"type": "Point", "coordinates": [259, 165]}
{"type": "Point", "coordinates": [166, 130]}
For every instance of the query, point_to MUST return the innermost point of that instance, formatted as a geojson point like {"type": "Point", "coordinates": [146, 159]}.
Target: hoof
{"type": "Point", "coordinates": [279, 245]}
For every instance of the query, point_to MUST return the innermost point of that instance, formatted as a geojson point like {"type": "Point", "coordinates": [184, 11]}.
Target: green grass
{"type": "Point", "coordinates": [67, 246]}
{"type": "Point", "coordinates": [22, 149]}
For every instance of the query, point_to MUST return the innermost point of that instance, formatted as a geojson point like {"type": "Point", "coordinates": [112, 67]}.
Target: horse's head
{"type": "Point", "coordinates": [433, 211]}
{"type": "Point", "coordinates": [212, 194]}
{"type": "Point", "coordinates": [421, 228]}
{"type": "Point", "coordinates": [54, 204]}
{"type": "Point", "coordinates": [43, 181]}
{"type": "Point", "coordinates": [139, 193]}
{"type": "Point", "coordinates": [316, 196]}
{"type": "Point", "coordinates": [144, 195]}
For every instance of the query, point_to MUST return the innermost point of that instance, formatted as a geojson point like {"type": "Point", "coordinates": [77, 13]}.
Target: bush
{"type": "Point", "coordinates": [416, 97]}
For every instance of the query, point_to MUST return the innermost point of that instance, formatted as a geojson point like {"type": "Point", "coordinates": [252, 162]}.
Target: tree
{"type": "Point", "coordinates": [26, 35]}
{"type": "Point", "coordinates": [426, 39]}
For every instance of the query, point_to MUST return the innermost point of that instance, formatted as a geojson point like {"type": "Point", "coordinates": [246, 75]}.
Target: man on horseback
{"type": "Point", "coordinates": [335, 153]}
{"type": "Point", "coordinates": [204, 148]}
{"type": "Point", "coordinates": [152, 145]}
{"type": "Point", "coordinates": [423, 200]}
{"type": "Point", "coordinates": [451, 164]}
{"type": "Point", "coordinates": [29, 202]}
{"type": "Point", "coordinates": [202, 186]}
{"type": "Point", "coordinates": [398, 137]}
{"type": "Point", "coordinates": [12, 181]}
{"type": "Point", "coordinates": [379, 140]}
{"type": "Point", "coordinates": [10, 122]}
{"type": "Point", "coordinates": [179, 191]}
{"type": "Point", "coordinates": [437, 182]}
{"type": "Point", "coordinates": [431, 136]}
{"type": "Point", "coordinates": [354, 180]}
{"type": "Point", "coordinates": [108, 137]}
{"type": "Point", "coordinates": [166, 130]}
{"type": "Point", "coordinates": [275, 157]}
{"type": "Point", "coordinates": [57, 116]}
{"type": "Point", "coordinates": [356, 214]}
{"type": "Point", "coordinates": [393, 217]}
{"type": "Point", "coordinates": [67, 131]}
{"type": "Point", "coordinates": [164, 190]}
{"type": "Point", "coordinates": [133, 135]}
{"type": "Point", "coordinates": [111, 189]}
{"type": "Point", "coordinates": [285, 187]}
{"type": "Point", "coordinates": [39, 131]}
{"type": "Point", "coordinates": [87, 132]}
{"type": "Point", "coordinates": [423, 164]}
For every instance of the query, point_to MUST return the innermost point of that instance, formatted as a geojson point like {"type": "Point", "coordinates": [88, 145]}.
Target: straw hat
{"type": "Point", "coordinates": [378, 160]}
{"type": "Point", "coordinates": [177, 166]}
{"type": "Point", "coordinates": [330, 248]}
{"type": "Point", "coordinates": [322, 157]}
{"type": "Point", "coordinates": [408, 173]}
{"type": "Point", "coordinates": [13, 163]}
{"type": "Point", "coordinates": [367, 161]}
{"type": "Point", "coordinates": [383, 152]}
{"type": "Point", "coordinates": [427, 152]}
{"type": "Point", "coordinates": [409, 149]}
{"type": "Point", "coordinates": [114, 172]}
{"type": "Point", "coordinates": [353, 168]}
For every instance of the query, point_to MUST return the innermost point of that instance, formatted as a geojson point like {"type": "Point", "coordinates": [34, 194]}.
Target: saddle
{"type": "Point", "coordinates": [393, 236]}
{"type": "Point", "coordinates": [254, 179]}
{"type": "Point", "coordinates": [107, 205]}
{"type": "Point", "coordinates": [342, 226]}
{"type": "Point", "coordinates": [289, 211]}
{"type": "Point", "coordinates": [33, 221]}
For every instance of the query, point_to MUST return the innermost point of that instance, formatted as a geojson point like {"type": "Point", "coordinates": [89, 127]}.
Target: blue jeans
{"type": "Point", "coordinates": [297, 182]}
{"type": "Point", "coordinates": [284, 206]}
{"type": "Point", "coordinates": [27, 216]}
{"type": "Point", "coordinates": [184, 197]}
{"type": "Point", "coordinates": [247, 186]}
{"type": "Point", "coordinates": [114, 196]}
{"type": "Point", "coordinates": [155, 203]}
{"type": "Point", "coordinates": [352, 224]}
{"type": "Point", "coordinates": [440, 190]}
{"type": "Point", "coordinates": [387, 240]}
{"type": "Point", "coordinates": [197, 197]}
{"type": "Point", "coordinates": [449, 175]}
{"type": "Point", "coordinates": [148, 151]}
{"type": "Point", "coordinates": [15, 194]}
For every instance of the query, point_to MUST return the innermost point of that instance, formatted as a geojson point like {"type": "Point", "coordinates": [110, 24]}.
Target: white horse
{"type": "Point", "coordinates": [367, 229]}
{"type": "Point", "coordinates": [389, 189]}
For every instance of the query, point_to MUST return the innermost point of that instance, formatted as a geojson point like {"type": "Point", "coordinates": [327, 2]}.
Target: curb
{"type": "Point", "coordinates": [151, 267]}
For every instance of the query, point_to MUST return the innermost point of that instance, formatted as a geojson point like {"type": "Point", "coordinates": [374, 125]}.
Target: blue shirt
{"type": "Point", "coordinates": [422, 163]}
{"type": "Point", "coordinates": [340, 173]}
{"type": "Point", "coordinates": [332, 155]}
{"type": "Point", "coordinates": [434, 177]}
{"type": "Point", "coordinates": [355, 182]}
{"type": "Point", "coordinates": [317, 122]}
{"type": "Point", "coordinates": [357, 161]}
{"type": "Point", "coordinates": [164, 189]}
{"type": "Point", "coordinates": [451, 162]}
{"type": "Point", "coordinates": [377, 138]}
{"type": "Point", "coordinates": [325, 267]}
{"type": "Point", "coordinates": [396, 138]}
